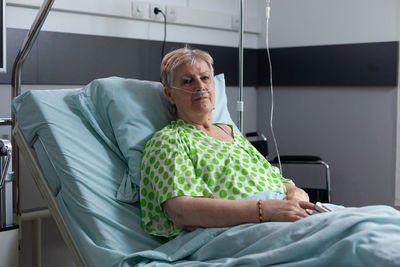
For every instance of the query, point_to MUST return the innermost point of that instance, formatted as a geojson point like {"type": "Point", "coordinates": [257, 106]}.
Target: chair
{"type": "Point", "coordinates": [316, 194]}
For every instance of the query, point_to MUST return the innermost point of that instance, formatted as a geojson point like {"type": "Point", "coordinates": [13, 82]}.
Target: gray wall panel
{"type": "Point", "coordinates": [29, 71]}
{"type": "Point", "coordinates": [364, 64]}
{"type": "Point", "coordinates": [78, 59]}
{"type": "Point", "coordinates": [65, 58]}
{"type": "Point", "coordinates": [352, 129]}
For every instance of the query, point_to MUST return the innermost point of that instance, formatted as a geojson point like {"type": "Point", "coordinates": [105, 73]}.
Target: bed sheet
{"type": "Point", "coordinates": [84, 175]}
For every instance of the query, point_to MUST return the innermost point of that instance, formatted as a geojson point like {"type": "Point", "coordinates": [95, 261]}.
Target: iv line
{"type": "Point", "coordinates": [267, 13]}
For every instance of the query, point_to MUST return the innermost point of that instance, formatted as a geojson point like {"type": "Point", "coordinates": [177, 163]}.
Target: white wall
{"type": "Point", "coordinates": [113, 18]}
{"type": "Point", "coordinates": [321, 22]}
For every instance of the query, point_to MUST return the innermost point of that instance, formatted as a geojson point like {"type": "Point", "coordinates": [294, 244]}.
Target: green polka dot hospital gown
{"type": "Point", "coordinates": [182, 160]}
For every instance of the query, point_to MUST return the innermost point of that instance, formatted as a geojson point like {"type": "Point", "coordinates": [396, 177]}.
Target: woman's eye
{"type": "Point", "coordinates": [187, 81]}
{"type": "Point", "coordinates": [206, 78]}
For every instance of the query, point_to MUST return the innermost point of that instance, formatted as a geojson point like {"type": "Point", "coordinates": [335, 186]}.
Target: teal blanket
{"type": "Point", "coordinates": [368, 236]}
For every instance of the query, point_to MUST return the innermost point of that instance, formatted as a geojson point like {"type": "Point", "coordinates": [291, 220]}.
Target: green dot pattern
{"type": "Point", "coordinates": [182, 160]}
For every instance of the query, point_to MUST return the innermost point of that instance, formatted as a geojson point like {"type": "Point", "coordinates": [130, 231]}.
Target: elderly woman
{"type": "Point", "coordinates": [199, 174]}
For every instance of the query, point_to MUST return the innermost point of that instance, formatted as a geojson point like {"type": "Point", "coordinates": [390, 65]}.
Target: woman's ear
{"type": "Point", "coordinates": [168, 94]}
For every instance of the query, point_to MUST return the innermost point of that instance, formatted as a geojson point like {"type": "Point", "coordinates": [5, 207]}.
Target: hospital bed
{"type": "Point", "coordinates": [83, 147]}
{"type": "Point", "coordinates": [83, 154]}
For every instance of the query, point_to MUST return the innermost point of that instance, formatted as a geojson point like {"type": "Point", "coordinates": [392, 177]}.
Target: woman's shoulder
{"type": "Point", "coordinates": [169, 137]}
{"type": "Point", "coordinates": [169, 131]}
{"type": "Point", "coordinates": [172, 128]}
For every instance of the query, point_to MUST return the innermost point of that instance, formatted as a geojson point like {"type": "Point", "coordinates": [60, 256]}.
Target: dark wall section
{"type": "Point", "coordinates": [14, 43]}
{"type": "Point", "coordinates": [64, 58]}
{"type": "Point", "coordinates": [366, 64]}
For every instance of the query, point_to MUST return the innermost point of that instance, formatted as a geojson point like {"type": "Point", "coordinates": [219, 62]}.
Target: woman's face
{"type": "Point", "coordinates": [192, 77]}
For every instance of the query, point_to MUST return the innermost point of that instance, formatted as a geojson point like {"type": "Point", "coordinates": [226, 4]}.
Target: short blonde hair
{"type": "Point", "coordinates": [176, 58]}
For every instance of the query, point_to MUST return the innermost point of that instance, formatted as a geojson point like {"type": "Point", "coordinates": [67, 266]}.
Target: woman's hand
{"type": "Point", "coordinates": [286, 210]}
{"type": "Point", "coordinates": [295, 193]}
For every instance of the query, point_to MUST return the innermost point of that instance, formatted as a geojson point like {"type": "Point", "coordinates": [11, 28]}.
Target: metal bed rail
{"type": "Point", "coordinates": [5, 121]}
{"type": "Point", "coordinates": [16, 81]}
{"type": "Point", "coordinates": [6, 177]}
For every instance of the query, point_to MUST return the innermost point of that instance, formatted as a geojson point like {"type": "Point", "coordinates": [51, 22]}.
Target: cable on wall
{"type": "Point", "coordinates": [156, 11]}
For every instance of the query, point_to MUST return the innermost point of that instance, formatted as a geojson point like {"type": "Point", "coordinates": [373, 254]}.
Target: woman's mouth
{"type": "Point", "coordinates": [201, 97]}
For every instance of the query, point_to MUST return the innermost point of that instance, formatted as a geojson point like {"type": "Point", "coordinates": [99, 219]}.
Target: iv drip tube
{"type": "Point", "coordinates": [267, 15]}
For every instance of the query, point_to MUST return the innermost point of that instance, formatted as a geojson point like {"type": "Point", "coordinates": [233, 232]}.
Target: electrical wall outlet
{"type": "Point", "coordinates": [140, 10]}
{"type": "Point", "coordinates": [171, 13]}
{"type": "Point", "coordinates": [152, 15]}
{"type": "Point", "coordinates": [235, 22]}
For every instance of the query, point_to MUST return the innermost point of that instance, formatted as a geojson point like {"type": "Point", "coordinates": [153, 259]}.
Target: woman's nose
{"type": "Point", "coordinates": [199, 84]}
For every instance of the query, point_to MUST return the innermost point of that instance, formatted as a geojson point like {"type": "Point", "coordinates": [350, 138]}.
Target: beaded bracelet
{"type": "Point", "coordinates": [260, 217]}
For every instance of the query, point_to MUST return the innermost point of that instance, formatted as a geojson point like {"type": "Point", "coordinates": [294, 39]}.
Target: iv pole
{"type": "Point", "coordinates": [239, 106]}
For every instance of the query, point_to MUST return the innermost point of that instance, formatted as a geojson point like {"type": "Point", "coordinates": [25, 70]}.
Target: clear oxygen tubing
{"type": "Point", "coordinates": [267, 15]}
{"type": "Point", "coordinates": [200, 92]}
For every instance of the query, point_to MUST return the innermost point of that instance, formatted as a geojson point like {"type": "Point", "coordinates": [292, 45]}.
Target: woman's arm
{"type": "Point", "coordinates": [191, 212]}
{"type": "Point", "coordinates": [295, 193]}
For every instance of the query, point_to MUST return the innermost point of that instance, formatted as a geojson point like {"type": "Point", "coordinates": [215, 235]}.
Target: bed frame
{"type": "Point", "coordinates": [30, 157]}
